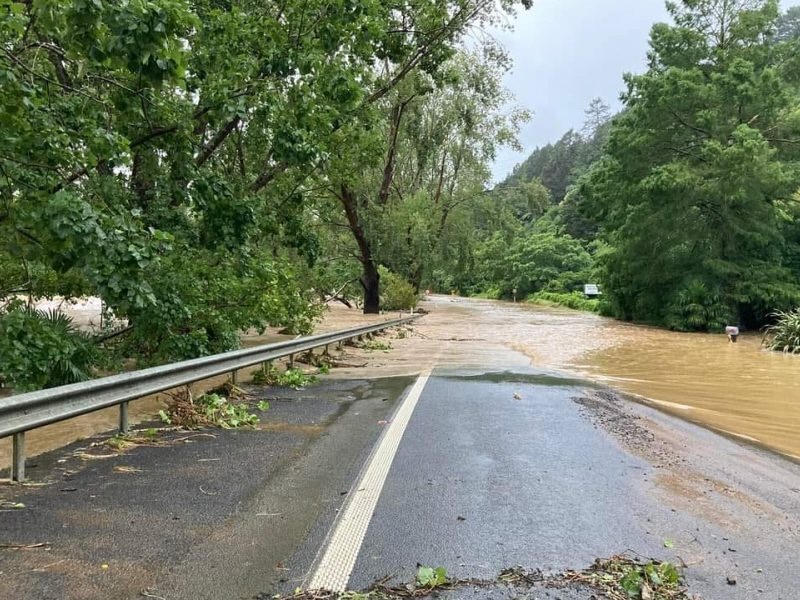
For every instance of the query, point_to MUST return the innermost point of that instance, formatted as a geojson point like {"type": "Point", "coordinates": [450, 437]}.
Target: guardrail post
{"type": "Point", "coordinates": [123, 418]}
{"type": "Point", "coordinates": [234, 377]}
{"type": "Point", "coordinates": [291, 361]}
{"type": "Point", "coordinates": [18, 457]}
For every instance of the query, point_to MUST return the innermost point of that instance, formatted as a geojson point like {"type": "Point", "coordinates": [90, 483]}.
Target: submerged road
{"type": "Point", "coordinates": [347, 482]}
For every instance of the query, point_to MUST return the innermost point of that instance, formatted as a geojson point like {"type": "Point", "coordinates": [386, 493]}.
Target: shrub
{"type": "Point", "coordinates": [784, 335]}
{"type": "Point", "coordinates": [492, 293]}
{"type": "Point", "coordinates": [696, 307]}
{"type": "Point", "coordinates": [396, 292]}
{"type": "Point", "coordinates": [574, 300]}
{"type": "Point", "coordinates": [41, 349]}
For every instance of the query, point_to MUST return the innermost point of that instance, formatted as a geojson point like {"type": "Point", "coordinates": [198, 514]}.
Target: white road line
{"type": "Point", "coordinates": [334, 568]}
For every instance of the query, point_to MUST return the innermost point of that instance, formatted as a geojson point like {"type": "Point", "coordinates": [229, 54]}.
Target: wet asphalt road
{"type": "Point", "coordinates": [498, 470]}
{"type": "Point", "coordinates": [212, 514]}
{"type": "Point", "coordinates": [494, 470]}
{"type": "Point", "coordinates": [484, 481]}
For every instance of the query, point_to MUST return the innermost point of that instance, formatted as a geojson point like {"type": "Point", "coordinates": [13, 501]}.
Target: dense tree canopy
{"type": "Point", "coordinates": [207, 167]}
{"type": "Point", "coordinates": [162, 154]}
{"type": "Point", "coordinates": [686, 201]}
{"type": "Point", "coordinates": [695, 192]}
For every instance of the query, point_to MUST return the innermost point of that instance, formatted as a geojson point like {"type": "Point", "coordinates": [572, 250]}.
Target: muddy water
{"type": "Point", "coordinates": [739, 388]}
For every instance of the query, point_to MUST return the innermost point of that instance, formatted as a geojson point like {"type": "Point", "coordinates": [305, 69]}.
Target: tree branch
{"type": "Point", "coordinates": [209, 149]}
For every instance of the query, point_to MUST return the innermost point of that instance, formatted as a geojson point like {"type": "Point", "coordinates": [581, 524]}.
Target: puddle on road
{"type": "Point", "coordinates": [519, 377]}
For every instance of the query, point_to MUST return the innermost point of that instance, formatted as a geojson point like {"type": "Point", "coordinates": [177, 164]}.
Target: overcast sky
{"type": "Point", "coordinates": [567, 52]}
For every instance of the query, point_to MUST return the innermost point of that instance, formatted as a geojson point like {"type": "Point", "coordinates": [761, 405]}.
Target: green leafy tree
{"type": "Point", "coordinates": [403, 181]}
{"type": "Point", "coordinates": [788, 26]}
{"type": "Point", "coordinates": [141, 163]}
{"type": "Point", "coordinates": [42, 349]}
{"type": "Point", "coordinates": [696, 167]}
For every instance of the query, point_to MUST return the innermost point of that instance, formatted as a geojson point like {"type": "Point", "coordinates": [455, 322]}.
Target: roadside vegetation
{"type": "Point", "coordinates": [574, 300]}
{"type": "Point", "coordinates": [784, 335]}
{"type": "Point", "coordinates": [201, 194]}
{"type": "Point", "coordinates": [685, 203]}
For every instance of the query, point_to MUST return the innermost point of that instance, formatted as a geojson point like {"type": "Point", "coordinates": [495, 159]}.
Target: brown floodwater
{"type": "Point", "coordinates": [739, 388]}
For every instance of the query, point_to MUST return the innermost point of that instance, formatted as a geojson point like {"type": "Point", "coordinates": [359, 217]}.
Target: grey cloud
{"type": "Point", "coordinates": [567, 52]}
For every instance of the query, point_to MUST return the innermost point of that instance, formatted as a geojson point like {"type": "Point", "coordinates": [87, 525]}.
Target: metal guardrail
{"type": "Point", "coordinates": [23, 412]}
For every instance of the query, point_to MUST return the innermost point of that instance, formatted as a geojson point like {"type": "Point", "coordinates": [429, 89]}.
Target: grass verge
{"type": "Point", "coordinates": [574, 300]}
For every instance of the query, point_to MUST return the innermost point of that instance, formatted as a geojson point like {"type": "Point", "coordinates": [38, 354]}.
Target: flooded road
{"type": "Point", "coordinates": [738, 388]}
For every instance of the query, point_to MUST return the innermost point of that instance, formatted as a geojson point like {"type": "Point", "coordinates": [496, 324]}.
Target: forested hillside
{"type": "Point", "coordinates": [686, 203]}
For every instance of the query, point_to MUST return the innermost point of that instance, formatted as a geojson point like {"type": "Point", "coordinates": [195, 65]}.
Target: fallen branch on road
{"type": "Point", "coordinates": [617, 578]}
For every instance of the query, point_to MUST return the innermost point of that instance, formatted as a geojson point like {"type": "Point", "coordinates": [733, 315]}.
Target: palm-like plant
{"type": "Point", "coordinates": [784, 335]}
{"type": "Point", "coordinates": [40, 349]}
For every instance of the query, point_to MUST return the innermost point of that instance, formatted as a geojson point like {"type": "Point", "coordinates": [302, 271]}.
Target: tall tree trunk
{"type": "Point", "coordinates": [370, 281]}
{"type": "Point", "coordinates": [370, 278]}
{"type": "Point", "coordinates": [438, 195]}
{"type": "Point", "coordinates": [416, 277]}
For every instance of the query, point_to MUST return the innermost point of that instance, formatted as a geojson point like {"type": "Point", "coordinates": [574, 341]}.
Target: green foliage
{"type": "Point", "coordinates": [140, 164]}
{"type": "Point", "coordinates": [558, 166]}
{"type": "Point", "coordinates": [697, 308]}
{"type": "Point", "coordinates": [656, 577]}
{"type": "Point", "coordinates": [788, 25]}
{"type": "Point", "coordinates": [690, 196]}
{"type": "Point", "coordinates": [218, 410]}
{"type": "Point", "coordinates": [376, 345]}
{"type": "Point", "coordinates": [533, 261]}
{"type": "Point", "coordinates": [208, 410]}
{"type": "Point", "coordinates": [294, 378]}
{"type": "Point", "coordinates": [527, 200]}
{"type": "Point", "coordinates": [492, 293]}
{"type": "Point", "coordinates": [204, 300]}
{"type": "Point", "coordinates": [431, 578]}
{"type": "Point", "coordinates": [42, 349]}
{"type": "Point", "coordinates": [266, 375]}
{"type": "Point", "coordinates": [396, 292]}
{"type": "Point", "coordinates": [574, 300]}
{"type": "Point", "coordinates": [411, 182]}
{"type": "Point", "coordinates": [784, 334]}
{"type": "Point", "coordinates": [620, 577]}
